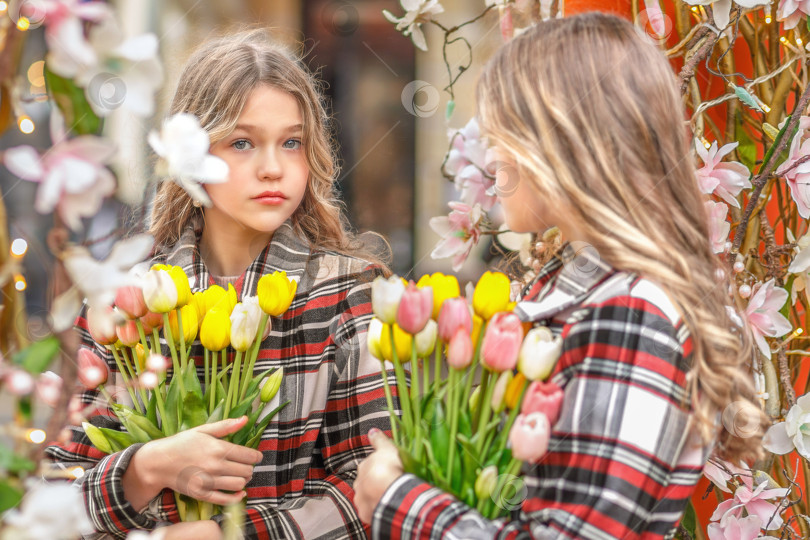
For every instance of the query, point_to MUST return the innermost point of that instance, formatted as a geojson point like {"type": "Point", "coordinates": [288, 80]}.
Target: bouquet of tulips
{"type": "Point", "coordinates": [160, 406]}
{"type": "Point", "coordinates": [465, 438]}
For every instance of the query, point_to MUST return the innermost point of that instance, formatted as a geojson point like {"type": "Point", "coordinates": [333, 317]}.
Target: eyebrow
{"type": "Point", "coordinates": [250, 128]}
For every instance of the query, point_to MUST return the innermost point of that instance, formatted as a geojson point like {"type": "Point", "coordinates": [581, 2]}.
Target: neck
{"type": "Point", "coordinates": [227, 251]}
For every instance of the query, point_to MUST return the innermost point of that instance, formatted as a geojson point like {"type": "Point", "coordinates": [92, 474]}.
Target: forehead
{"type": "Point", "coordinates": [269, 108]}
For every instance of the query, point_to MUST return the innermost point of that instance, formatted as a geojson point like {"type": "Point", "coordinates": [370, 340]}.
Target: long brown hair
{"type": "Point", "coordinates": [214, 86]}
{"type": "Point", "coordinates": [592, 114]}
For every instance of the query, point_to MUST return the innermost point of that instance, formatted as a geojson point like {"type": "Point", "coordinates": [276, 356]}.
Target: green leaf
{"type": "Point", "coordinates": [243, 406]}
{"type": "Point", "coordinates": [11, 462]}
{"type": "Point", "coordinates": [217, 414]}
{"type": "Point", "coordinates": [38, 356]}
{"type": "Point", "coordinates": [10, 496]}
{"type": "Point", "coordinates": [71, 100]}
{"type": "Point", "coordinates": [191, 380]}
{"type": "Point", "coordinates": [118, 440]}
{"type": "Point", "coordinates": [440, 435]}
{"type": "Point", "coordinates": [253, 442]}
{"type": "Point", "coordinates": [139, 426]}
{"type": "Point", "coordinates": [778, 138]}
{"type": "Point", "coordinates": [689, 520]}
{"type": "Point", "coordinates": [194, 411]}
{"type": "Point", "coordinates": [787, 286]}
{"type": "Point", "coordinates": [254, 383]}
{"type": "Point", "coordinates": [151, 407]}
{"type": "Point", "coordinates": [173, 402]}
{"type": "Point", "coordinates": [747, 149]}
{"type": "Point", "coordinates": [808, 22]}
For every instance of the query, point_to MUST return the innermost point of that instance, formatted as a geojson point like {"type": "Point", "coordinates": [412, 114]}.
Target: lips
{"type": "Point", "coordinates": [270, 195]}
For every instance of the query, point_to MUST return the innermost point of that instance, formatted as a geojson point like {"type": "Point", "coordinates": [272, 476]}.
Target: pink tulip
{"type": "Point", "coordinates": [455, 314]}
{"type": "Point", "coordinates": [502, 340]}
{"type": "Point", "coordinates": [460, 350]}
{"type": "Point", "coordinates": [152, 320]}
{"type": "Point", "coordinates": [49, 388]}
{"type": "Point", "coordinates": [529, 437]}
{"type": "Point", "coordinates": [544, 397]}
{"type": "Point", "coordinates": [130, 301]}
{"type": "Point", "coordinates": [19, 382]}
{"type": "Point", "coordinates": [93, 371]}
{"type": "Point", "coordinates": [128, 333]}
{"type": "Point", "coordinates": [415, 308]}
{"type": "Point", "coordinates": [101, 324]}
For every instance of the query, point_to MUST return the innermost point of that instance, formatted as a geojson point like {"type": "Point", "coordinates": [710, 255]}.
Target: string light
{"type": "Point", "coordinates": [36, 436]}
{"type": "Point", "coordinates": [783, 39]}
{"type": "Point", "coordinates": [77, 472]}
{"type": "Point", "coordinates": [768, 20]}
{"type": "Point", "coordinates": [706, 143]}
{"type": "Point", "coordinates": [18, 247]}
{"type": "Point", "coordinates": [23, 24]}
{"type": "Point", "coordinates": [19, 282]}
{"type": "Point", "coordinates": [3, 7]}
{"type": "Point", "coordinates": [26, 124]}
{"type": "Point", "coordinates": [36, 74]}
{"type": "Point", "coordinates": [798, 41]}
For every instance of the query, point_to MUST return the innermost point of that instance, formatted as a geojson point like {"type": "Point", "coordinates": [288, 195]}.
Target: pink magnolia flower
{"type": "Point", "coordinates": [460, 231]}
{"type": "Point", "coordinates": [502, 340]}
{"type": "Point", "coordinates": [798, 178]}
{"type": "Point", "coordinates": [724, 179]}
{"type": "Point", "coordinates": [415, 308]}
{"type": "Point", "coordinates": [746, 528]}
{"type": "Point", "coordinates": [529, 437]}
{"type": "Point", "coordinates": [718, 226]}
{"type": "Point", "coordinates": [763, 314]}
{"type": "Point", "coordinates": [544, 397]}
{"type": "Point", "coordinates": [754, 501]}
{"type": "Point", "coordinates": [49, 388]}
{"type": "Point", "coordinates": [720, 472]}
{"type": "Point", "coordinates": [466, 162]}
{"type": "Point", "coordinates": [791, 12]}
{"type": "Point", "coordinates": [72, 175]}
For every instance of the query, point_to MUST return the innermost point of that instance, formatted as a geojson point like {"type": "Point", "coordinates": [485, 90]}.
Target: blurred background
{"type": "Point", "coordinates": [390, 153]}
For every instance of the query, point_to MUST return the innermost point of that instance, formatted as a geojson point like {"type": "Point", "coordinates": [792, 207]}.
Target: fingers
{"type": "Point", "coordinates": [223, 427]}
{"type": "Point", "coordinates": [224, 499]}
{"type": "Point", "coordinates": [230, 483]}
{"type": "Point", "coordinates": [242, 454]}
{"type": "Point", "coordinates": [379, 441]}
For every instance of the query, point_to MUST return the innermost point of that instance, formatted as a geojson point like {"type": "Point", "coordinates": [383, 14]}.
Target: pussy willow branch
{"type": "Point", "coordinates": [765, 173]}
{"type": "Point", "coordinates": [784, 377]}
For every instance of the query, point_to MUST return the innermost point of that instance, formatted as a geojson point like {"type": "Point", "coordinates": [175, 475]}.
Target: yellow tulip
{"type": "Point", "coordinates": [181, 282]}
{"type": "Point", "coordinates": [491, 294]}
{"type": "Point", "coordinates": [478, 322]}
{"type": "Point", "coordinates": [373, 337]}
{"type": "Point", "coordinates": [513, 390]}
{"type": "Point", "coordinates": [403, 341]}
{"type": "Point", "coordinates": [212, 297]}
{"type": "Point", "coordinates": [140, 357]}
{"type": "Point", "coordinates": [276, 292]}
{"type": "Point", "coordinates": [215, 333]}
{"type": "Point", "coordinates": [198, 301]}
{"type": "Point", "coordinates": [444, 287]}
{"type": "Point", "coordinates": [188, 313]}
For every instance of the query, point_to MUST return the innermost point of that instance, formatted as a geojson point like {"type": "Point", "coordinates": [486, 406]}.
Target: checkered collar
{"type": "Point", "coordinates": [564, 281]}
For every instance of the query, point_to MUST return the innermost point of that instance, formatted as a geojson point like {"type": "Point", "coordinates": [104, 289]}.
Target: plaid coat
{"type": "Point", "coordinates": [303, 487]}
{"type": "Point", "coordinates": [622, 461]}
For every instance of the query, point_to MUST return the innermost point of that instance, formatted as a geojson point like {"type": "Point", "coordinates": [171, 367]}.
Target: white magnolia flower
{"type": "Point", "coordinates": [54, 510]}
{"type": "Point", "coordinates": [416, 13]}
{"type": "Point", "coordinates": [98, 281]}
{"type": "Point", "coordinates": [718, 226]}
{"type": "Point", "coordinates": [72, 175]}
{"type": "Point", "coordinates": [800, 266]}
{"type": "Point", "coordinates": [762, 312]}
{"type": "Point", "coordinates": [183, 144]}
{"type": "Point", "coordinates": [116, 71]}
{"type": "Point", "coordinates": [794, 432]}
{"type": "Point", "coordinates": [722, 8]}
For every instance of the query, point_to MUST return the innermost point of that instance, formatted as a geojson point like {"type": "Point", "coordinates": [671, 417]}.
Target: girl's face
{"type": "Point", "coordinates": [268, 169]}
{"type": "Point", "coordinates": [523, 208]}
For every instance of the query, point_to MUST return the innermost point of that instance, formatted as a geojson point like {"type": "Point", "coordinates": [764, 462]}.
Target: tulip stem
{"type": "Point", "coordinates": [207, 361]}
{"type": "Point", "coordinates": [226, 378]}
{"type": "Point", "coordinates": [485, 408]}
{"type": "Point", "coordinates": [452, 406]}
{"type": "Point", "coordinates": [232, 398]}
{"type": "Point", "coordinates": [476, 363]}
{"type": "Point", "coordinates": [437, 367]}
{"type": "Point", "coordinates": [135, 373]}
{"type": "Point", "coordinates": [417, 409]}
{"type": "Point", "coordinates": [389, 400]}
{"type": "Point", "coordinates": [503, 436]}
{"type": "Point", "coordinates": [402, 390]}
{"type": "Point", "coordinates": [511, 471]}
{"type": "Point", "coordinates": [182, 340]}
{"type": "Point", "coordinates": [167, 332]}
{"type": "Point", "coordinates": [425, 376]}
{"type": "Point", "coordinates": [213, 391]}
{"type": "Point", "coordinates": [123, 373]}
{"type": "Point", "coordinates": [143, 336]}
{"type": "Point", "coordinates": [250, 362]}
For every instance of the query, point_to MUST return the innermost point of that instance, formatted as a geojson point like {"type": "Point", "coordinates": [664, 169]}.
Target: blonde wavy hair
{"type": "Point", "coordinates": [591, 113]}
{"type": "Point", "coordinates": [214, 86]}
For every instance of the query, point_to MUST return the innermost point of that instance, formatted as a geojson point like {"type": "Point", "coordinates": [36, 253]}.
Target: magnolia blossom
{"type": "Point", "coordinates": [459, 231]}
{"type": "Point", "coordinates": [98, 281]}
{"type": "Point", "coordinates": [466, 163]}
{"type": "Point", "coordinates": [114, 71]}
{"type": "Point", "coordinates": [794, 432]}
{"type": "Point", "coordinates": [792, 12]}
{"type": "Point", "coordinates": [416, 13]}
{"type": "Point", "coordinates": [798, 177]}
{"type": "Point", "coordinates": [721, 472]}
{"type": "Point", "coordinates": [726, 180]}
{"type": "Point", "coordinates": [72, 175]}
{"type": "Point", "coordinates": [49, 510]}
{"type": "Point", "coordinates": [722, 8]}
{"type": "Point", "coordinates": [754, 501]}
{"type": "Point", "coordinates": [718, 226]}
{"type": "Point", "coordinates": [183, 146]}
{"type": "Point", "coordinates": [800, 266]}
{"type": "Point", "coordinates": [763, 314]}
{"type": "Point", "coordinates": [734, 528]}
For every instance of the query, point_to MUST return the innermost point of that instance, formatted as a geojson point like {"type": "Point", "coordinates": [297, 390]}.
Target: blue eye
{"type": "Point", "coordinates": [241, 144]}
{"type": "Point", "coordinates": [296, 144]}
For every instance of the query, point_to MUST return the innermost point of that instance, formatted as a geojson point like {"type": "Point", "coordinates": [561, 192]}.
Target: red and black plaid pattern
{"type": "Point", "coordinates": [303, 487]}
{"type": "Point", "coordinates": [622, 461]}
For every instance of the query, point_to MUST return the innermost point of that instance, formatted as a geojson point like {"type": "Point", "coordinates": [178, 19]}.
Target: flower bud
{"type": "Point", "coordinates": [486, 482]}
{"type": "Point", "coordinates": [415, 308]}
{"type": "Point", "coordinates": [385, 297]}
{"type": "Point", "coordinates": [276, 292]}
{"type": "Point", "coordinates": [129, 300]}
{"type": "Point", "coordinates": [460, 350]}
{"type": "Point", "coordinates": [159, 291]}
{"type": "Point", "coordinates": [499, 392]}
{"type": "Point", "coordinates": [92, 371]}
{"type": "Point", "coordinates": [271, 385]}
{"type": "Point", "coordinates": [501, 344]}
{"type": "Point", "coordinates": [455, 314]}
{"type": "Point", "coordinates": [97, 437]}
{"type": "Point", "coordinates": [544, 397]}
{"type": "Point", "coordinates": [426, 339]}
{"type": "Point", "coordinates": [529, 437]}
{"type": "Point", "coordinates": [539, 353]}
{"type": "Point", "coordinates": [491, 294]}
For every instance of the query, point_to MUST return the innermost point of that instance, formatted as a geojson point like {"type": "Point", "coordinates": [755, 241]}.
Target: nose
{"type": "Point", "coordinates": [270, 166]}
